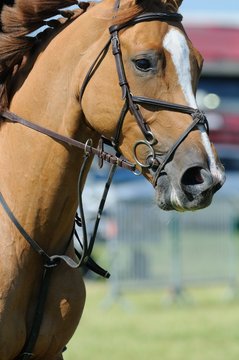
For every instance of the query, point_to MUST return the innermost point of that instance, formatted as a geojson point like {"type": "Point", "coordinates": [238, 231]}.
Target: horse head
{"type": "Point", "coordinates": [158, 69]}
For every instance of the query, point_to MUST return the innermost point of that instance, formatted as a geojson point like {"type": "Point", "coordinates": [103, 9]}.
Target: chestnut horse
{"type": "Point", "coordinates": [151, 117]}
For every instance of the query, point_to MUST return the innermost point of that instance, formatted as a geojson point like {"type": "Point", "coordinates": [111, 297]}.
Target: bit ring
{"type": "Point", "coordinates": [151, 153]}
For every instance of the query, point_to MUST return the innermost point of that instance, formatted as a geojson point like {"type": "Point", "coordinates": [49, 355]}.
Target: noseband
{"type": "Point", "coordinates": [131, 102]}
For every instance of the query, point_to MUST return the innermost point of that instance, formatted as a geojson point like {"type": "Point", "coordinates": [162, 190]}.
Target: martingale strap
{"type": "Point", "coordinates": [48, 261]}
{"type": "Point", "coordinates": [36, 324]}
{"type": "Point", "coordinates": [53, 260]}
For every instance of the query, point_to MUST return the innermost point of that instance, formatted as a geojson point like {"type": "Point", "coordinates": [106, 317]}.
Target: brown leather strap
{"type": "Point", "coordinates": [112, 159]}
{"type": "Point", "coordinates": [150, 16]}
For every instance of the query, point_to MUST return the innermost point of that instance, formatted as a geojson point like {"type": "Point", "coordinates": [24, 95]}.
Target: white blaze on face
{"type": "Point", "coordinates": [176, 44]}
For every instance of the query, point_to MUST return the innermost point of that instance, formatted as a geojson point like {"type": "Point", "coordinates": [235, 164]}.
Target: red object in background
{"type": "Point", "coordinates": [229, 133]}
{"type": "Point", "coordinates": [216, 43]}
{"type": "Point", "coordinates": [220, 49]}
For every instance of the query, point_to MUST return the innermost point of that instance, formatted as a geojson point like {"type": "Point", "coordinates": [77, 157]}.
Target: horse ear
{"type": "Point", "coordinates": [178, 2]}
{"type": "Point", "coordinates": [174, 3]}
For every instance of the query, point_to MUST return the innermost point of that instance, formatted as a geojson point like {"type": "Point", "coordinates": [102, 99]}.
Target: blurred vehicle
{"type": "Point", "coordinates": [218, 97]}
{"type": "Point", "coordinates": [218, 91]}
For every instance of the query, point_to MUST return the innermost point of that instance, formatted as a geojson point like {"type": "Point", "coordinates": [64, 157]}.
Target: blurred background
{"type": "Point", "coordinates": [173, 291]}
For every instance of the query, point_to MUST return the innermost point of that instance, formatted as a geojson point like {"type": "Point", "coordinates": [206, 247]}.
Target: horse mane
{"type": "Point", "coordinates": [19, 19]}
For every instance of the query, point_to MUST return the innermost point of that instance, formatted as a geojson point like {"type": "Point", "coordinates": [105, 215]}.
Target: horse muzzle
{"type": "Point", "coordinates": [192, 190]}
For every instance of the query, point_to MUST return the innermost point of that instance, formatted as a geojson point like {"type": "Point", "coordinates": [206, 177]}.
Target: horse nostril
{"type": "Point", "coordinates": [192, 176]}
{"type": "Point", "coordinates": [196, 180]}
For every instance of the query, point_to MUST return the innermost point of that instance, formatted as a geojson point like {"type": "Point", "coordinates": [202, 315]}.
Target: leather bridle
{"type": "Point", "coordinates": [131, 103]}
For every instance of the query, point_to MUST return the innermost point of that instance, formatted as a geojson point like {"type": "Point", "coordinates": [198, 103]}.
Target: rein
{"type": "Point", "coordinates": [112, 159]}
{"type": "Point", "coordinates": [131, 103]}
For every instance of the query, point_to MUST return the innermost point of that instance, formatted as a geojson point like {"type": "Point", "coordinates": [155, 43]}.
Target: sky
{"type": "Point", "coordinates": [211, 5]}
{"type": "Point", "coordinates": [225, 12]}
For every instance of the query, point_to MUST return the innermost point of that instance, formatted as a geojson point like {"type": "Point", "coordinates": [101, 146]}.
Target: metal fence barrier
{"type": "Point", "coordinates": [153, 248]}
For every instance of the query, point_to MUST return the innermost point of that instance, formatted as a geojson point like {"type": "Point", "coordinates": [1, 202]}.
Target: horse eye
{"type": "Point", "coordinates": [143, 64]}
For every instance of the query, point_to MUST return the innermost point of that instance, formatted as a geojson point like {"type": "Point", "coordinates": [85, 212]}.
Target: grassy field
{"type": "Point", "coordinates": [145, 325]}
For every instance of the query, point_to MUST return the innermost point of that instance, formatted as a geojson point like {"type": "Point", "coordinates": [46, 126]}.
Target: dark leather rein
{"type": "Point", "coordinates": [131, 103]}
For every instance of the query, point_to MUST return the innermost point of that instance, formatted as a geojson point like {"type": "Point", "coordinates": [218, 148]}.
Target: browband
{"type": "Point", "coordinates": [167, 17]}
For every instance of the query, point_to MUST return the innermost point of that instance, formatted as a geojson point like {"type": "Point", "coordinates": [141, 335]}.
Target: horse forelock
{"type": "Point", "coordinates": [17, 22]}
{"type": "Point", "coordinates": [128, 10]}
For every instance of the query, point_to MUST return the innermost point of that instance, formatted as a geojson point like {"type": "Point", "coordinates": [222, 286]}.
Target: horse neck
{"type": "Point", "coordinates": [41, 177]}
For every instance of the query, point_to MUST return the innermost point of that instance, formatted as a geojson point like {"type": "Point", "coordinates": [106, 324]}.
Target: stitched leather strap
{"type": "Point", "coordinates": [112, 159]}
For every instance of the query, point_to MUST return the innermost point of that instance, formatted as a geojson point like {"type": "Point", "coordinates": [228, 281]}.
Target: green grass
{"type": "Point", "coordinates": [144, 325]}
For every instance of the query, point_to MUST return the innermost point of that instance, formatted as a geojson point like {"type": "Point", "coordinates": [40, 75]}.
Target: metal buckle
{"type": "Point", "coordinates": [88, 144]}
{"type": "Point", "coordinates": [115, 43]}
